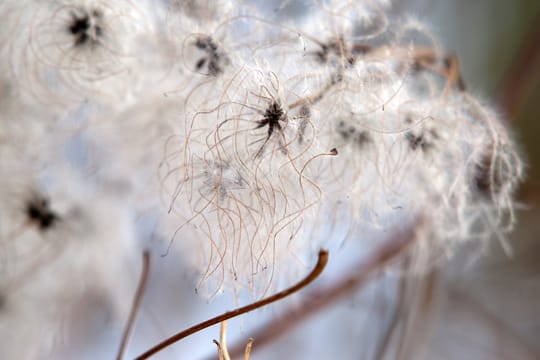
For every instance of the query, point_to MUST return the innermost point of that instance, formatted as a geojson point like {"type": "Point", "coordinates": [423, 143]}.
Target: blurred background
{"type": "Point", "coordinates": [492, 309]}
{"type": "Point", "coordinates": [488, 308]}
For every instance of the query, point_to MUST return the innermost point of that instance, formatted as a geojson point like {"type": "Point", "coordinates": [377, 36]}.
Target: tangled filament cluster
{"type": "Point", "coordinates": [258, 167]}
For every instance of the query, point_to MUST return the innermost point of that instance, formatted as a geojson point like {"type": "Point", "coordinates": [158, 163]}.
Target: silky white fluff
{"type": "Point", "coordinates": [60, 52]}
{"type": "Point", "coordinates": [89, 250]}
{"type": "Point", "coordinates": [247, 142]}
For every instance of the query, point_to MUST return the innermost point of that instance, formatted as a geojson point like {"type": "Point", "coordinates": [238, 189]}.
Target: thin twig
{"type": "Point", "coordinates": [321, 263]}
{"type": "Point", "coordinates": [415, 324]}
{"type": "Point", "coordinates": [137, 299]}
{"type": "Point", "coordinates": [223, 340]}
{"type": "Point", "coordinates": [247, 352]}
{"type": "Point", "coordinates": [219, 349]}
{"type": "Point", "coordinates": [396, 316]}
{"type": "Point", "coordinates": [327, 296]}
{"type": "Point", "coordinates": [423, 58]}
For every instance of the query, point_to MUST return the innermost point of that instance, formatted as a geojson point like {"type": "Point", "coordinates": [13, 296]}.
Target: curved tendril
{"type": "Point", "coordinates": [317, 270]}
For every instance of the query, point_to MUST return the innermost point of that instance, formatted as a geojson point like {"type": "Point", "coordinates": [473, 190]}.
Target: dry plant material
{"type": "Point", "coordinates": [137, 300]}
{"type": "Point", "coordinates": [247, 352]}
{"type": "Point", "coordinates": [223, 353]}
{"type": "Point", "coordinates": [240, 143]}
{"type": "Point", "coordinates": [319, 299]}
{"type": "Point", "coordinates": [317, 270]}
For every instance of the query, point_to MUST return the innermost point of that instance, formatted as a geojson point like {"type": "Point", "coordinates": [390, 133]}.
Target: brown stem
{"type": "Point", "coordinates": [327, 296]}
{"type": "Point", "coordinates": [247, 352]}
{"type": "Point", "coordinates": [137, 299]}
{"type": "Point", "coordinates": [219, 349]}
{"type": "Point", "coordinates": [321, 263]}
{"type": "Point", "coordinates": [223, 340]}
{"type": "Point", "coordinates": [423, 59]}
{"type": "Point", "coordinates": [396, 316]}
